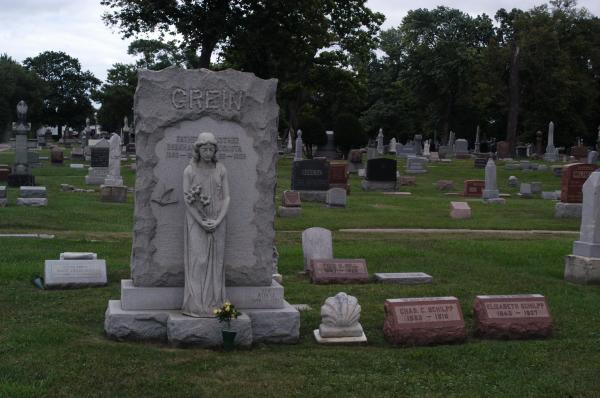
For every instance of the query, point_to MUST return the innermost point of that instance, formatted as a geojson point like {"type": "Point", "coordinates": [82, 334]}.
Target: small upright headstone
{"type": "Point", "coordinates": [75, 270]}
{"type": "Point", "coordinates": [392, 145]}
{"type": "Point", "coordinates": [415, 165]}
{"type": "Point", "coordinates": [336, 197]}
{"type": "Point", "coordinates": [473, 188]}
{"type": "Point", "coordinates": [57, 156]}
{"type": "Point", "coordinates": [461, 148]}
{"type": "Point", "coordinates": [355, 161]}
{"type": "Point", "coordinates": [592, 157]}
{"type": "Point", "coordinates": [513, 182]}
{"type": "Point", "coordinates": [536, 187]}
{"type": "Point", "coordinates": [316, 244]}
{"type": "Point", "coordinates": [290, 204]}
{"type": "Point", "coordinates": [113, 189]}
{"type": "Point", "coordinates": [503, 149]}
{"type": "Point", "coordinates": [525, 190]}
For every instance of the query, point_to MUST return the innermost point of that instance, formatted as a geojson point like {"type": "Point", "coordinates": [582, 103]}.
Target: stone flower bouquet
{"type": "Point", "coordinates": [226, 313]}
{"type": "Point", "coordinates": [195, 195]}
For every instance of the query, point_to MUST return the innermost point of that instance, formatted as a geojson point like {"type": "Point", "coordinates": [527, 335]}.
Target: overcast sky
{"type": "Point", "coordinates": [29, 27]}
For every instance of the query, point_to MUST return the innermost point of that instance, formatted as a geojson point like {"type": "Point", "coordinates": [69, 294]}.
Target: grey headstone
{"type": "Point", "coordinates": [74, 273]}
{"type": "Point", "coordinates": [403, 278]}
{"type": "Point", "coordinates": [316, 244]}
{"type": "Point", "coordinates": [33, 192]}
{"type": "Point", "coordinates": [336, 197]}
{"type": "Point", "coordinates": [513, 181]}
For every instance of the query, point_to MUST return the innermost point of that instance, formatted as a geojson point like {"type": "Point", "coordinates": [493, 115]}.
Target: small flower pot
{"type": "Point", "coordinates": [228, 340]}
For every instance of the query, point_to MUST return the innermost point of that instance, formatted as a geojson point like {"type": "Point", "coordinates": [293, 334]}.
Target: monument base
{"type": "Point", "coordinates": [567, 210]}
{"type": "Point", "coordinates": [184, 330]}
{"type": "Point", "coordinates": [586, 249]}
{"type": "Point", "coordinates": [339, 340]}
{"type": "Point", "coordinates": [18, 180]}
{"type": "Point", "coordinates": [289, 212]}
{"type": "Point", "coordinates": [32, 202]}
{"type": "Point", "coordinates": [582, 270]}
{"type": "Point", "coordinates": [110, 193]}
{"type": "Point", "coordinates": [385, 186]}
{"type": "Point", "coordinates": [96, 175]}
{"type": "Point", "coordinates": [275, 325]}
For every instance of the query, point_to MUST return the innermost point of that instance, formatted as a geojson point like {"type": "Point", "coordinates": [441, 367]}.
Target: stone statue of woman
{"type": "Point", "coordinates": [206, 196]}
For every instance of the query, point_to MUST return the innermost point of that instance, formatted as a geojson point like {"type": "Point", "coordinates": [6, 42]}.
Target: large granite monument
{"type": "Point", "coordinates": [172, 107]}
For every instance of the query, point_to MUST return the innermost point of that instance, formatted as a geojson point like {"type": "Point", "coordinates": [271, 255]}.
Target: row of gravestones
{"type": "Point", "coordinates": [414, 321]}
{"type": "Point", "coordinates": [27, 196]}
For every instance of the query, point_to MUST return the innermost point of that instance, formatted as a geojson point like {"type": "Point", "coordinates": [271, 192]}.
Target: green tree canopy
{"type": "Point", "coordinates": [69, 88]}
{"type": "Point", "coordinates": [19, 84]}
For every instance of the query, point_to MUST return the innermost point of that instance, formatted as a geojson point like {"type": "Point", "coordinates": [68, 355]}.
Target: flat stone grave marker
{"type": "Point", "coordinates": [74, 273]}
{"type": "Point", "coordinates": [310, 175]}
{"type": "Point", "coordinates": [573, 178]}
{"type": "Point", "coordinates": [423, 321]}
{"type": "Point", "coordinates": [460, 210]}
{"type": "Point", "coordinates": [291, 199]}
{"type": "Point", "coordinates": [517, 316]}
{"type": "Point", "coordinates": [445, 185]}
{"type": "Point", "coordinates": [316, 243]}
{"type": "Point", "coordinates": [474, 188]}
{"type": "Point", "coordinates": [403, 278]}
{"type": "Point", "coordinates": [323, 271]}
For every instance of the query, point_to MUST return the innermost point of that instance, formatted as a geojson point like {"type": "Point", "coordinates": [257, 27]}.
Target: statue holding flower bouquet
{"type": "Point", "coordinates": [206, 197]}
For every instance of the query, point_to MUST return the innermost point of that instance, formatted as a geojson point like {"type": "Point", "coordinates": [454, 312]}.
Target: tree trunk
{"type": "Point", "coordinates": [513, 99]}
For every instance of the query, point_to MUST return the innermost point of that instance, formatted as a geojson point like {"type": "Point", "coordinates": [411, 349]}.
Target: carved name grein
{"type": "Point", "coordinates": [192, 98]}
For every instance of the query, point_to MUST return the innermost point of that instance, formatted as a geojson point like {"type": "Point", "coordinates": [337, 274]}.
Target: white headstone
{"type": "Point", "coordinates": [336, 197]}
{"type": "Point", "coordinates": [392, 145]}
{"type": "Point", "coordinates": [316, 244]}
{"type": "Point", "coordinates": [491, 188]}
{"type": "Point", "coordinates": [114, 162]}
{"type": "Point", "coordinates": [299, 145]}
{"type": "Point", "coordinates": [380, 142]}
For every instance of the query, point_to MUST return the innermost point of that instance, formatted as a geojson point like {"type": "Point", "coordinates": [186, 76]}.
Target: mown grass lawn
{"type": "Point", "coordinates": [52, 342]}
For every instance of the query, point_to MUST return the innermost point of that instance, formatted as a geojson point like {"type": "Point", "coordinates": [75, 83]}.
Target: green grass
{"type": "Point", "coordinates": [52, 342]}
